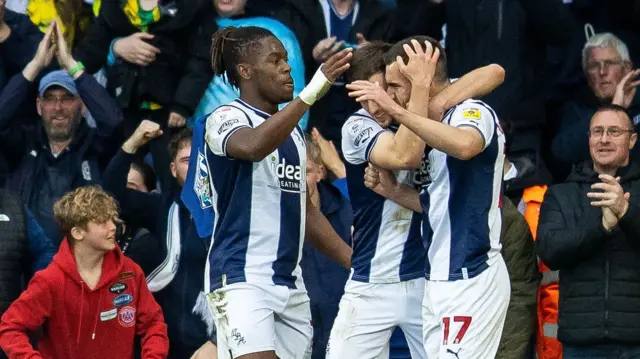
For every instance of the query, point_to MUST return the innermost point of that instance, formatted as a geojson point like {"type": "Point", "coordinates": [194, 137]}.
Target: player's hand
{"type": "Point", "coordinates": [379, 180]}
{"type": "Point", "coordinates": [329, 155]}
{"type": "Point", "coordinates": [421, 67]}
{"type": "Point", "coordinates": [612, 197]}
{"type": "Point", "coordinates": [176, 120]}
{"type": "Point", "coordinates": [135, 49]}
{"type": "Point", "coordinates": [145, 132]}
{"type": "Point", "coordinates": [207, 351]}
{"type": "Point", "coordinates": [626, 89]}
{"type": "Point", "coordinates": [361, 39]}
{"type": "Point", "coordinates": [326, 48]}
{"type": "Point", "coordinates": [368, 91]}
{"type": "Point", "coordinates": [337, 64]}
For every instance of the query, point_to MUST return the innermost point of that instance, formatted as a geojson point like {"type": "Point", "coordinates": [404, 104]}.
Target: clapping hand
{"type": "Point", "coordinates": [613, 200]}
{"type": "Point", "coordinates": [626, 89]}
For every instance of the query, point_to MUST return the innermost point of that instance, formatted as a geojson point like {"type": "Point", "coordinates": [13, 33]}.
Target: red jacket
{"type": "Point", "coordinates": [83, 323]}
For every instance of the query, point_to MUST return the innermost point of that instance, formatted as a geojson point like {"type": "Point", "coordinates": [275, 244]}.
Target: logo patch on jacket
{"type": "Point", "coordinates": [86, 171]}
{"type": "Point", "coordinates": [125, 276]}
{"type": "Point", "coordinates": [118, 288]}
{"type": "Point", "coordinates": [108, 315]}
{"type": "Point", "coordinates": [127, 316]}
{"type": "Point", "coordinates": [4, 218]}
{"type": "Point", "coordinates": [122, 299]}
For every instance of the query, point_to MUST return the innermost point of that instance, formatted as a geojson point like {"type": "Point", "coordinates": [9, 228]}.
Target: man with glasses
{"type": "Point", "coordinates": [57, 152]}
{"type": "Point", "coordinates": [612, 80]}
{"type": "Point", "coordinates": [589, 231]}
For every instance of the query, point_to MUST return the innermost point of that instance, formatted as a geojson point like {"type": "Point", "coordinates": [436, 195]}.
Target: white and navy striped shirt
{"type": "Point", "coordinates": [387, 244]}
{"type": "Point", "coordinates": [462, 206]}
{"type": "Point", "coordinates": [260, 208]}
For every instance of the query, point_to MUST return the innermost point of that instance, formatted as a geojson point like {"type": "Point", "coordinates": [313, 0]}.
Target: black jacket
{"type": "Point", "coordinates": [306, 20]}
{"type": "Point", "coordinates": [14, 249]}
{"type": "Point", "coordinates": [514, 34]}
{"type": "Point", "coordinates": [182, 71]}
{"type": "Point", "coordinates": [599, 271]}
{"type": "Point", "coordinates": [39, 177]}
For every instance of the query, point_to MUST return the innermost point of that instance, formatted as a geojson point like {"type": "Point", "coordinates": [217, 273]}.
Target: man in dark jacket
{"type": "Point", "coordinates": [322, 28]}
{"type": "Point", "coordinates": [179, 279]}
{"type": "Point", "coordinates": [19, 39]}
{"type": "Point", "coordinates": [24, 249]}
{"type": "Point", "coordinates": [589, 230]}
{"type": "Point", "coordinates": [57, 152]}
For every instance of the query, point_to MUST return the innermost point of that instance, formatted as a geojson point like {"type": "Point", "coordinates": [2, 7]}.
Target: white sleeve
{"type": "Point", "coordinates": [359, 136]}
{"type": "Point", "coordinates": [476, 116]}
{"type": "Point", "coordinates": [221, 124]}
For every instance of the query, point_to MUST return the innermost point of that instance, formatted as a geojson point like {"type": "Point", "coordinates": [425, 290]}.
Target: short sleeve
{"type": "Point", "coordinates": [220, 125]}
{"type": "Point", "coordinates": [476, 115]}
{"type": "Point", "coordinates": [359, 136]}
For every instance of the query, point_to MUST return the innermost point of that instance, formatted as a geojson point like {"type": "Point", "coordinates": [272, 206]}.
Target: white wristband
{"type": "Point", "coordinates": [317, 87]}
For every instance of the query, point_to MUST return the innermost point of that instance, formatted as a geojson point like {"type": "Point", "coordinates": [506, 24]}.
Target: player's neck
{"type": "Point", "coordinates": [258, 102]}
{"type": "Point", "coordinates": [343, 6]}
{"type": "Point", "coordinates": [436, 88]}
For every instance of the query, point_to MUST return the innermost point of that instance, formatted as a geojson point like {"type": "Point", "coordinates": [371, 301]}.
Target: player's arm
{"type": "Point", "coordinates": [474, 84]}
{"type": "Point", "coordinates": [255, 143]}
{"type": "Point", "coordinates": [320, 234]}
{"type": "Point", "coordinates": [383, 183]}
{"type": "Point", "coordinates": [469, 132]}
{"type": "Point", "coordinates": [402, 150]}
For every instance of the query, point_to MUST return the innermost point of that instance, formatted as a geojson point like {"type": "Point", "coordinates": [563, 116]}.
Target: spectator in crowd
{"type": "Point", "coordinates": [24, 248]}
{"type": "Point", "coordinates": [74, 16]}
{"type": "Point", "coordinates": [589, 230]}
{"type": "Point", "coordinates": [519, 254]}
{"type": "Point", "coordinates": [178, 277]}
{"type": "Point", "coordinates": [514, 34]}
{"type": "Point", "coordinates": [156, 55]}
{"type": "Point", "coordinates": [323, 28]}
{"type": "Point", "coordinates": [141, 177]}
{"type": "Point", "coordinates": [240, 13]}
{"type": "Point", "coordinates": [609, 72]}
{"type": "Point", "coordinates": [324, 278]}
{"type": "Point", "coordinates": [93, 300]}
{"type": "Point", "coordinates": [19, 39]}
{"type": "Point", "coordinates": [58, 152]}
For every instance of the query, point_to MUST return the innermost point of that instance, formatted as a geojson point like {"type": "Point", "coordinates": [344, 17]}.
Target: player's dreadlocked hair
{"type": "Point", "coordinates": [231, 45]}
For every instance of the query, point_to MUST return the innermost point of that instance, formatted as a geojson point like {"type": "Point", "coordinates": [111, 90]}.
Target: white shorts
{"type": "Point", "coordinates": [464, 318]}
{"type": "Point", "coordinates": [368, 314]}
{"type": "Point", "coordinates": [252, 318]}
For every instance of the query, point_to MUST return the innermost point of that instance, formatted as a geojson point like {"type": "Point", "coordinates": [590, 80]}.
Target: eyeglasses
{"type": "Point", "coordinates": [614, 132]}
{"type": "Point", "coordinates": [597, 66]}
{"type": "Point", "coordinates": [53, 100]}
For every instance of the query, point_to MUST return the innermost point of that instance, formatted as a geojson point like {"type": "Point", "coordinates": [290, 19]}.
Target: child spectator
{"type": "Point", "coordinates": [93, 300]}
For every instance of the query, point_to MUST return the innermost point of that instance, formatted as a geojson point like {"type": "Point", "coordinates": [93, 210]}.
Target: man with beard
{"type": "Point", "coordinates": [61, 152]}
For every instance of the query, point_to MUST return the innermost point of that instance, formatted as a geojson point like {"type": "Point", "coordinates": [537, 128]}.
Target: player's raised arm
{"type": "Point", "coordinates": [474, 84]}
{"type": "Point", "coordinates": [320, 234]}
{"type": "Point", "coordinates": [402, 150]}
{"type": "Point", "coordinates": [240, 62]}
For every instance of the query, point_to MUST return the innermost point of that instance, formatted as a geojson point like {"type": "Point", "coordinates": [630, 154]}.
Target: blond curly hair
{"type": "Point", "coordinates": [84, 205]}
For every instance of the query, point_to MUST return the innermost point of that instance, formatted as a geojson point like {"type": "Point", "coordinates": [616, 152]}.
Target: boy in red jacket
{"type": "Point", "coordinates": [91, 300]}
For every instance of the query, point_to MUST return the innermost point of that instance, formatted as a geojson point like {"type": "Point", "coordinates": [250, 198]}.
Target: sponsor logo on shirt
{"type": "Point", "coordinates": [289, 176]}
{"type": "Point", "coordinates": [227, 125]}
{"type": "Point", "coordinates": [363, 136]}
{"type": "Point", "coordinates": [422, 176]}
{"type": "Point", "coordinates": [108, 315]}
{"type": "Point", "coordinates": [118, 288]}
{"type": "Point", "coordinates": [127, 316]}
{"type": "Point", "coordinates": [471, 113]}
{"type": "Point", "coordinates": [122, 299]}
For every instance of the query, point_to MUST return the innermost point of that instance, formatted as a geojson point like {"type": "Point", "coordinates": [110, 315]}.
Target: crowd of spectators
{"type": "Point", "coordinates": [103, 92]}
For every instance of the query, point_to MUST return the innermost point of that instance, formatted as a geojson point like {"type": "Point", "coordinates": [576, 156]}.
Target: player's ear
{"type": "Point", "coordinates": [244, 71]}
